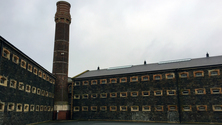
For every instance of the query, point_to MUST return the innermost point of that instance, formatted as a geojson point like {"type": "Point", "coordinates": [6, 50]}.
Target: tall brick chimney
{"type": "Point", "coordinates": [61, 60]}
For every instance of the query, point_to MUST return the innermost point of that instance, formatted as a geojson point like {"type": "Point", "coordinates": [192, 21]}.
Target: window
{"type": "Point", "coordinates": [33, 89]}
{"type": "Point", "coordinates": [38, 91]}
{"type": "Point", "coordinates": [158, 93]}
{"type": "Point", "coordinates": [215, 90]}
{"type": "Point", "coordinates": [43, 93]}
{"type": "Point", "coordinates": [93, 82]}
{"type": "Point", "coordinates": [15, 59]}
{"type": "Point", "coordinates": [6, 53]}
{"type": "Point", "coordinates": [44, 76]}
{"type": "Point", "coordinates": [134, 94]}
{"type": "Point", "coordinates": [198, 73]}
{"type": "Point", "coordinates": [85, 83]}
{"type": "Point", "coordinates": [47, 78]}
{"type": "Point", "coordinates": [49, 108]}
{"type": "Point", "coordinates": [103, 81]}
{"type": "Point", "coordinates": [103, 95]}
{"type": "Point", "coordinates": [35, 70]}
{"type": "Point", "coordinates": [3, 81]}
{"type": "Point", "coordinates": [113, 80]}
{"type": "Point", "coordinates": [28, 88]}
{"type": "Point", "coordinates": [145, 93]}
{"type": "Point", "coordinates": [93, 108]}
{"type": "Point", "coordinates": [40, 73]}
{"type": "Point", "coordinates": [84, 108]}
{"type": "Point", "coordinates": [146, 108]}
{"type": "Point", "coordinates": [29, 67]}
{"type": "Point", "coordinates": [217, 107]}
{"type": "Point", "coordinates": [186, 108]}
{"type": "Point", "coordinates": [50, 94]}
{"type": "Point", "coordinates": [170, 76]}
{"type": "Point", "coordinates": [2, 106]}
{"type": "Point", "coordinates": [159, 108]}
{"type": "Point", "coordinates": [145, 78]}
{"type": "Point", "coordinates": [46, 93]}
{"type": "Point", "coordinates": [76, 108]}
{"type": "Point", "coordinates": [37, 108]}
{"type": "Point", "coordinates": [113, 95]}
{"type": "Point", "coordinates": [23, 64]}
{"type": "Point", "coordinates": [21, 86]}
{"type": "Point", "coordinates": [134, 108]}
{"type": "Point", "coordinates": [32, 108]}
{"type": "Point", "coordinates": [11, 106]}
{"type": "Point", "coordinates": [171, 92]}
{"type": "Point", "coordinates": [19, 107]}
{"type": "Point", "coordinates": [123, 79]}
{"type": "Point", "coordinates": [172, 108]}
{"type": "Point", "coordinates": [41, 107]}
{"type": "Point", "coordinates": [200, 91]}
{"type": "Point", "coordinates": [50, 80]}
{"type": "Point", "coordinates": [26, 107]}
{"type": "Point", "coordinates": [134, 79]}
{"type": "Point", "coordinates": [45, 108]}
{"type": "Point", "coordinates": [123, 108]}
{"type": "Point", "coordinates": [85, 96]}
{"type": "Point", "coordinates": [183, 74]}
{"type": "Point", "coordinates": [113, 108]}
{"type": "Point", "coordinates": [123, 94]}
{"type": "Point", "coordinates": [157, 77]}
{"type": "Point", "coordinates": [13, 83]}
{"type": "Point", "coordinates": [201, 107]}
{"type": "Point", "coordinates": [185, 92]}
{"type": "Point", "coordinates": [93, 96]}
{"type": "Point", "coordinates": [77, 83]}
{"type": "Point", "coordinates": [214, 72]}
{"type": "Point", "coordinates": [103, 108]}
{"type": "Point", "coordinates": [53, 81]}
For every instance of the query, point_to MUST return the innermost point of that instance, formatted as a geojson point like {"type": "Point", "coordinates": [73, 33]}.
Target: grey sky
{"type": "Point", "coordinates": [110, 33]}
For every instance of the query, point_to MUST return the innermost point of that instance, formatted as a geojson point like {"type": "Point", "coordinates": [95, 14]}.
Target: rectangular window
{"type": "Point", "coordinates": [6, 53]}
{"type": "Point", "coordinates": [29, 67]}
{"type": "Point", "coordinates": [13, 83]}
{"type": "Point", "coordinates": [33, 89]}
{"type": "Point", "coordinates": [46, 93]}
{"type": "Point", "coordinates": [19, 107]}
{"type": "Point", "coordinates": [11, 106]}
{"type": "Point", "coordinates": [185, 92]}
{"type": "Point", "coordinates": [170, 76]}
{"type": "Point", "coordinates": [23, 64]}
{"type": "Point", "coordinates": [35, 70]}
{"type": "Point", "coordinates": [201, 107]}
{"type": "Point", "coordinates": [113, 80]}
{"type": "Point", "coordinates": [186, 108]}
{"type": "Point", "coordinates": [134, 108]}
{"type": "Point", "coordinates": [37, 108]}
{"type": "Point", "coordinates": [123, 79]}
{"type": "Point", "coordinates": [215, 90]}
{"type": "Point", "coordinates": [123, 94]}
{"type": "Point", "coordinates": [171, 92]}
{"type": "Point", "coordinates": [43, 93]}
{"type": "Point", "coordinates": [103, 95]}
{"type": "Point", "coordinates": [145, 78]}
{"type": "Point", "coordinates": [77, 83]}
{"type": "Point", "coordinates": [3, 81]}
{"type": "Point", "coordinates": [26, 107]}
{"type": "Point", "coordinates": [85, 96]}
{"type": "Point", "coordinates": [32, 108]}
{"type": "Point", "coordinates": [85, 83]}
{"type": "Point", "coordinates": [217, 107]}
{"type": "Point", "coordinates": [103, 108]}
{"type": "Point", "coordinates": [85, 108]}
{"type": "Point", "coordinates": [134, 94]}
{"type": "Point", "coordinates": [15, 59]}
{"type": "Point", "coordinates": [103, 81]}
{"type": "Point", "coordinates": [41, 108]}
{"type": "Point", "coordinates": [145, 93]}
{"type": "Point", "coordinates": [21, 86]}
{"type": "Point", "coordinates": [158, 93]}
{"type": "Point", "coordinates": [123, 108]}
{"type": "Point", "coordinates": [76, 108]}
{"type": "Point", "coordinates": [44, 76]}
{"type": "Point", "coordinates": [146, 108]}
{"type": "Point", "coordinates": [93, 82]}
{"type": "Point", "coordinates": [172, 108]}
{"type": "Point", "coordinates": [40, 73]}
{"type": "Point", "coordinates": [94, 108]}
{"type": "Point", "coordinates": [200, 91]}
{"type": "Point", "coordinates": [159, 108]}
{"type": "Point", "coordinates": [183, 74]}
{"type": "Point", "coordinates": [45, 108]}
{"type": "Point", "coordinates": [48, 108]}
{"type": "Point", "coordinates": [113, 108]}
{"type": "Point", "coordinates": [28, 88]}
{"type": "Point", "coordinates": [198, 73]}
{"type": "Point", "coordinates": [113, 95]}
{"type": "Point", "coordinates": [38, 91]}
{"type": "Point", "coordinates": [93, 96]}
{"type": "Point", "coordinates": [214, 72]}
{"type": "Point", "coordinates": [2, 106]}
{"type": "Point", "coordinates": [134, 79]}
{"type": "Point", "coordinates": [157, 77]}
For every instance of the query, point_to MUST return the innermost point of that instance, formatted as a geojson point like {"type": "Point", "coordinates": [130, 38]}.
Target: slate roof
{"type": "Point", "coordinates": [179, 64]}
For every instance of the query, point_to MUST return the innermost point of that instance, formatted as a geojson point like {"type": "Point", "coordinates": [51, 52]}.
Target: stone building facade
{"type": "Point", "coordinates": [27, 89]}
{"type": "Point", "coordinates": [182, 91]}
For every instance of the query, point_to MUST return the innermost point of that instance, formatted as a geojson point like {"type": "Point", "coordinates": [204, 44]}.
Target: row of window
{"type": "Point", "coordinates": [19, 107]}
{"type": "Point", "coordinates": [148, 108]}
{"type": "Point", "coordinates": [22, 87]}
{"type": "Point", "coordinates": [199, 73]}
{"type": "Point", "coordinates": [30, 68]}
{"type": "Point", "coordinates": [198, 91]}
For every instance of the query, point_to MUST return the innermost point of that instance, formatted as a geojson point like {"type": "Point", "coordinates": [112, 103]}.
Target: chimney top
{"type": "Point", "coordinates": [98, 68]}
{"type": "Point", "coordinates": [207, 55]}
{"type": "Point", "coordinates": [145, 62]}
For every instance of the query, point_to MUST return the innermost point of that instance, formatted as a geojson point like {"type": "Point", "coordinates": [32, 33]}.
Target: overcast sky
{"type": "Point", "coordinates": [109, 33]}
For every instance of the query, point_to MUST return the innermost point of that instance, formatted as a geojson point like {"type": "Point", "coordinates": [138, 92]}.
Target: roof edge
{"type": "Point", "coordinates": [80, 74]}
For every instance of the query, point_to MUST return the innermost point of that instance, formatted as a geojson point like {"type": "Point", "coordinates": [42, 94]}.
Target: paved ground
{"type": "Point", "coordinates": [107, 123]}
